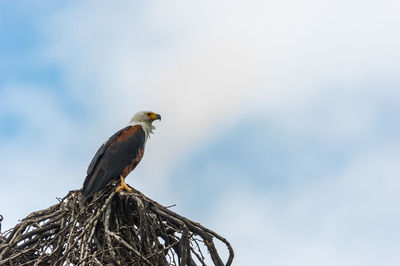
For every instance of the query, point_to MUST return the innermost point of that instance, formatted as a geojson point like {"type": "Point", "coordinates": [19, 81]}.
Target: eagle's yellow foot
{"type": "Point", "coordinates": [123, 186]}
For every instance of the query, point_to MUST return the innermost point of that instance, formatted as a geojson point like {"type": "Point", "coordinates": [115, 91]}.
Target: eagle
{"type": "Point", "coordinates": [120, 154]}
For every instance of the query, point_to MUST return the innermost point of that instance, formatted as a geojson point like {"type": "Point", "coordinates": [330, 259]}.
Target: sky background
{"type": "Point", "coordinates": [281, 119]}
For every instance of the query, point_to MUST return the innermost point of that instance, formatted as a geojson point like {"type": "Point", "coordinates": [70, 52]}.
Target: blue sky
{"type": "Point", "coordinates": [280, 119]}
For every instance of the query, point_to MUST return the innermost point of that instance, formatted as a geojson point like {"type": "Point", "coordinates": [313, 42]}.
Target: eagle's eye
{"type": "Point", "coordinates": [148, 114]}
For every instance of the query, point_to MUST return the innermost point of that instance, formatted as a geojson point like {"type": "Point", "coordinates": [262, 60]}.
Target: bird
{"type": "Point", "coordinates": [120, 154]}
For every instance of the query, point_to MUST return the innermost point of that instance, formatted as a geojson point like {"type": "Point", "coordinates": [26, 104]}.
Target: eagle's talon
{"type": "Point", "coordinates": [123, 186]}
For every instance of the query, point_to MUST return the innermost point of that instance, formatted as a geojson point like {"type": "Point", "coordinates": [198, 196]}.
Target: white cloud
{"type": "Point", "coordinates": [42, 160]}
{"type": "Point", "coordinates": [203, 65]}
{"type": "Point", "coordinates": [347, 219]}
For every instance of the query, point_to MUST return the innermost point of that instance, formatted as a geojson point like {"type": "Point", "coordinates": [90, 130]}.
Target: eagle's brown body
{"type": "Point", "coordinates": [115, 158]}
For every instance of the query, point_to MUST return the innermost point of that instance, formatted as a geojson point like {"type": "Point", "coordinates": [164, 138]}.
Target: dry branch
{"type": "Point", "coordinates": [109, 229]}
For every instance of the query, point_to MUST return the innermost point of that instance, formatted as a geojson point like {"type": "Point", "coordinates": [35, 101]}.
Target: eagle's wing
{"type": "Point", "coordinates": [119, 155]}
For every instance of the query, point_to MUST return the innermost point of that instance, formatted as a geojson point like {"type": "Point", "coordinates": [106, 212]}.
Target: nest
{"type": "Point", "coordinates": [109, 229]}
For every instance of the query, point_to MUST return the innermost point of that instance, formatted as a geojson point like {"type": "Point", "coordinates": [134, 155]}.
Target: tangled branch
{"type": "Point", "coordinates": [110, 229]}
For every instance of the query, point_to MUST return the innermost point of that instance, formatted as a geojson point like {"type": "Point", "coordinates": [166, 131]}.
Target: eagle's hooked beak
{"type": "Point", "coordinates": [154, 116]}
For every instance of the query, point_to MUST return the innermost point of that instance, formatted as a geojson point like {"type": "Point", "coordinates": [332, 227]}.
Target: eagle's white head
{"type": "Point", "coordinates": [145, 119]}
